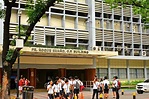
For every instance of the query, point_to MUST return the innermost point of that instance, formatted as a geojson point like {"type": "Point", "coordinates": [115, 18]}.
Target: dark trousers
{"type": "Point", "coordinates": [51, 96]}
{"type": "Point", "coordinates": [95, 91]}
{"type": "Point", "coordinates": [117, 94]}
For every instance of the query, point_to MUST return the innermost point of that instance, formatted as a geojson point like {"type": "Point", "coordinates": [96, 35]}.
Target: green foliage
{"type": "Point", "coordinates": [134, 82]}
{"type": "Point", "coordinates": [9, 54]}
{"type": "Point", "coordinates": [139, 6]}
{"type": "Point", "coordinates": [33, 10]}
{"type": "Point", "coordinates": [2, 12]}
{"type": "Point", "coordinates": [13, 42]}
{"type": "Point", "coordinates": [22, 30]}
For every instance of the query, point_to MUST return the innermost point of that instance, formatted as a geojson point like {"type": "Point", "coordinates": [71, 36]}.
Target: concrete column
{"type": "Point", "coordinates": [145, 70]}
{"type": "Point", "coordinates": [127, 65]}
{"type": "Point", "coordinates": [62, 72]}
{"type": "Point", "coordinates": [91, 18]}
{"type": "Point", "coordinates": [109, 69]}
{"type": "Point", "coordinates": [32, 76]}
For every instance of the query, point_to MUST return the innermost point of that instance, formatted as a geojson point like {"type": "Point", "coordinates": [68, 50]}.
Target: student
{"type": "Point", "coordinates": [95, 88]}
{"type": "Point", "coordinates": [50, 90]}
{"type": "Point", "coordinates": [71, 86]}
{"type": "Point", "coordinates": [76, 84]}
{"type": "Point", "coordinates": [100, 90]}
{"type": "Point", "coordinates": [114, 84]}
{"type": "Point", "coordinates": [67, 90]}
{"type": "Point", "coordinates": [56, 90]}
{"type": "Point", "coordinates": [106, 87]}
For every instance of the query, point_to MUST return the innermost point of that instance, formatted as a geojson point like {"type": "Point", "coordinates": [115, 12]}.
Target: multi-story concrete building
{"type": "Point", "coordinates": [90, 25]}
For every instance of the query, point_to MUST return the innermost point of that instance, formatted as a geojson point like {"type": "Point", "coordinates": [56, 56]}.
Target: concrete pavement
{"type": "Point", "coordinates": [88, 95]}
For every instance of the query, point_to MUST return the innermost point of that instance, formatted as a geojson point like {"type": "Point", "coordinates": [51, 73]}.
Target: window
{"type": "Point", "coordinates": [132, 73]}
{"type": "Point", "coordinates": [114, 72]}
{"type": "Point", "coordinates": [140, 73]}
{"type": "Point", "coordinates": [101, 72]}
{"type": "Point", "coordinates": [50, 40]}
{"type": "Point", "coordinates": [147, 71]}
{"type": "Point", "coordinates": [137, 73]}
{"type": "Point", "coordinates": [122, 73]}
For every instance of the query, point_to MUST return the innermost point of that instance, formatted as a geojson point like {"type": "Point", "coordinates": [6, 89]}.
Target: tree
{"type": "Point", "coordinates": [139, 6]}
{"type": "Point", "coordinates": [35, 12]}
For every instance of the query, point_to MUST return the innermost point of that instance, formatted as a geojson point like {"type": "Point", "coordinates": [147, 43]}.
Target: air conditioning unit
{"type": "Point", "coordinates": [96, 48]}
{"type": "Point", "coordinates": [143, 53]}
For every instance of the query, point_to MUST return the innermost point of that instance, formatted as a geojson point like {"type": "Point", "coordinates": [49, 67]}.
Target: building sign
{"type": "Point", "coordinates": [56, 50]}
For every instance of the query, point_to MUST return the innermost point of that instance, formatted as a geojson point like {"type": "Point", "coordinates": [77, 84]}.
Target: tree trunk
{"type": "Point", "coordinates": [6, 80]}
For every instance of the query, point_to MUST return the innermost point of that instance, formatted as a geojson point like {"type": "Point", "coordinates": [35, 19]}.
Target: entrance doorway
{"type": "Point", "coordinates": [79, 73]}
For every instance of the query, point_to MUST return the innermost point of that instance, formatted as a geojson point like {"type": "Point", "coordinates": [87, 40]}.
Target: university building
{"type": "Point", "coordinates": [99, 40]}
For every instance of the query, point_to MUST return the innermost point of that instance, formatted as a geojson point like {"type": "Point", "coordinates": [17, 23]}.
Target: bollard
{"type": "Point", "coordinates": [75, 96]}
{"type": "Point", "coordinates": [122, 92]}
{"type": "Point", "coordinates": [134, 95]}
{"type": "Point", "coordinates": [82, 97]}
{"type": "Point", "coordinates": [100, 96]}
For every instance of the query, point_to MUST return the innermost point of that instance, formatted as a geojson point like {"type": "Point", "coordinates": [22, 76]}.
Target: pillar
{"type": "Point", "coordinates": [62, 72]}
{"type": "Point", "coordinates": [145, 70]}
{"type": "Point", "coordinates": [90, 73]}
{"type": "Point", "coordinates": [32, 76]}
{"type": "Point", "coordinates": [1, 76]}
{"type": "Point", "coordinates": [128, 75]}
{"type": "Point", "coordinates": [109, 69]}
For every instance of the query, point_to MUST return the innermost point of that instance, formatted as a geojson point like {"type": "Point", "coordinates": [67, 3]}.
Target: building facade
{"type": "Point", "coordinates": [89, 25]}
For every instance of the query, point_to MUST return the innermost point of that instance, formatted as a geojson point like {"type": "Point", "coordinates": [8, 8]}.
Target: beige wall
{"type": "Point", "coordinates": [81, 24]}
{"type": "Point", "coordinates": [14, 16]}
{"type": "Point", "coordinates": [97, 23]}
{"type": "Point", "coordinates": [81, 1]}
{"type": "Point", "coordinates": [136, 64]}
{"type": "Point", "coordinates": [69, 22]}
{"type": "Point", "coordinates": [147, 64]}
{"type": "Point", "coordinates": [117, 25]}
{"type": "Point", "coordinates": [56, 21]}
{"type": "Point", "coordinates": [24, 18]}
{"type": "Point", "coordinates": [56, 60]}
{"type": "Point", "coordinates": [115, 63]}
{"type": "Point", "coordinates": [43, 21]}
{"type": "Point", "coordinates": [101, 63]}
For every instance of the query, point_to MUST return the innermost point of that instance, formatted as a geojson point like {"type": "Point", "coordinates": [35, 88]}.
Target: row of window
{"type": "Point", "coordinates": [122, 73]}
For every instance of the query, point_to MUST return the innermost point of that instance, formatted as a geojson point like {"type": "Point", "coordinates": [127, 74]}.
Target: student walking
{"type": "Point", "coordinates": [67, 90]}
{"type": "Point", "coordinates": [106, 87]}
{"type": "Point", "coordinates": [50, 90]}
{"type": "Point", "coordinates": [95, 87]}
{"type": "Point", "coordinates": [116, 83]}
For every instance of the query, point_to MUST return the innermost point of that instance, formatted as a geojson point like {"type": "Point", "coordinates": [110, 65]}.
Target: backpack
{"type": "Point", "coordinates": [106, 86]}
{"type": "Point", "coordinates": [77, 85]}
{"type": "Point", "coordinates": [118, 85]}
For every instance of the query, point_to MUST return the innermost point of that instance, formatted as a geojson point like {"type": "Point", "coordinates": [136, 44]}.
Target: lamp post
{"type": "Point", "coordinates": [19, 44]}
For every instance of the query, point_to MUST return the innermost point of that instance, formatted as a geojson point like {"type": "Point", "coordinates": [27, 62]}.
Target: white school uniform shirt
{"type": "Point", "coordinates": [106, 82]}
{"type": "Point", "coordinates": [95, 85]}
{"type": "Point", "coordinates": [115, 83]}
{"type": "Point", "coordinates": [50, 91]}
{"type": "Point", "coordinates": [67, 88]}
{"type": "Point", "coordinates": [60, 85]}
{"type": "Point", "coordinates": [76, 80]}
{"type": "Point", "coordinates": [56, 88]}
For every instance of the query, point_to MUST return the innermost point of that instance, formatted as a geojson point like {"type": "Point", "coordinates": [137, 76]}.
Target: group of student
{"type": "Point", "coordinates": [102, 86]}
{"type": "Point", "coordinates": [64, 88]}
{"type": "Point", "coordinates": [22, 82]}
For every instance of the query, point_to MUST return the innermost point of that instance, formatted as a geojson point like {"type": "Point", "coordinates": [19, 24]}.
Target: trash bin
{"type": "Point", "coordinates": [27, 92]}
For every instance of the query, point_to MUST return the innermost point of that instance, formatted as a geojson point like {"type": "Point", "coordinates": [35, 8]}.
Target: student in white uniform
{"type": "Point", "coordinates": [67, 89]}
{"type": "Point", "coordinates": [106, 87]}
{"type": "Point", "coordinates": [95, 88]}
{"type": "Point", "coordinates": [56, 90]}
{"type": "Point", "coordinates": [50, 90]}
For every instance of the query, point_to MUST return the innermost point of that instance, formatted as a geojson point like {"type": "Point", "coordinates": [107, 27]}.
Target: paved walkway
{"type": "Point", "coordinates": [88, 95]}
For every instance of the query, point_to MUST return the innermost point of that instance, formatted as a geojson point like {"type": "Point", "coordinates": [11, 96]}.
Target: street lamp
{"type": "Point", "coordinates": [19, 44]}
